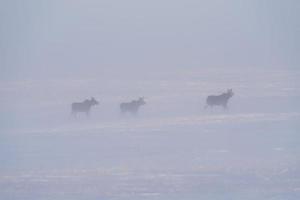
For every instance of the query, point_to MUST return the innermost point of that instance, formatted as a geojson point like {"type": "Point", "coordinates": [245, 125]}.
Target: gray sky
{"type": "Point", "coordinates": [72, 38]}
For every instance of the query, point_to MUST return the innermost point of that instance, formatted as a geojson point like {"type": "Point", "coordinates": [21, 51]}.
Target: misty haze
{"type": "Point", "coordinates": [131, 100]}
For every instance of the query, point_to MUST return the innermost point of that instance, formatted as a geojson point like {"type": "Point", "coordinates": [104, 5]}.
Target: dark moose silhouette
{"type": "Point", "coordinates": [219, 100]}
{"type": "Point", "coordinates": [84, 106]}
{"type": "Point", "coordinates": [133, 106]}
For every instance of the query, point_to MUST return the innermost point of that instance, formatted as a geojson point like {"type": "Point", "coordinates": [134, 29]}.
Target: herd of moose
{"type": "Point", "coordinates": [134, 105]}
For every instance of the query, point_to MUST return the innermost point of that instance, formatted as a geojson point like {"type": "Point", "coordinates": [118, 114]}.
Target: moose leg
{"type": "Point", "coordinates": [122, 111]}
{"type": "Point", "coordinates": [73, 113]}
{"type": "Point", "coordinates": [208, 106]}
{"type": "Point", "coordinates": [135, 111]}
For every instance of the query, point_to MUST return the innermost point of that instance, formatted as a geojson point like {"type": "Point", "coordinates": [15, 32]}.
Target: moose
{"type": "Point", "coordinates": [84, 106]}
{"type": "Point", "coordinates": [133, 106]}
{"type": "Point", "coordinates": [219, 100]}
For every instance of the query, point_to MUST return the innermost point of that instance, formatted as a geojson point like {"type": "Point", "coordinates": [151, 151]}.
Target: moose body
{"type": "Point", "coordinates": [133, 106]}
{"type": "Point", "coordinates": [219, 100]}
{"type": "Point", "coordinates": [84, 106]}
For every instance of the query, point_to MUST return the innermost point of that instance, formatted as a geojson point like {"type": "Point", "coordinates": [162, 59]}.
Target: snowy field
{"type": "Point", "coordinates": [174, 149]}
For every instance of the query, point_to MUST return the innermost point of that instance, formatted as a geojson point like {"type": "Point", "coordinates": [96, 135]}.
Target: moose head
{"type": "Point", "coordinates": [93, 101]}
{"type": "Point", "coordinates": [230, 92]}
{"type": "Point", "coordinates": [141, 101]}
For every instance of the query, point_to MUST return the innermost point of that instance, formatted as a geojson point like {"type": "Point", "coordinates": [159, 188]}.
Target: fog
{"type": "Point", "coordinates": [180, 144]}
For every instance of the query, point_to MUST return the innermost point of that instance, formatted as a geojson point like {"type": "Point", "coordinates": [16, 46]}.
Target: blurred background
{"type": "Point", "coordinates": [173, 53]}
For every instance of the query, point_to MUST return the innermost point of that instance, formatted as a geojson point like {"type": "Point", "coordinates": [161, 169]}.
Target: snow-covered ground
{"type": "Point", "coordinates": [174, 148]}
